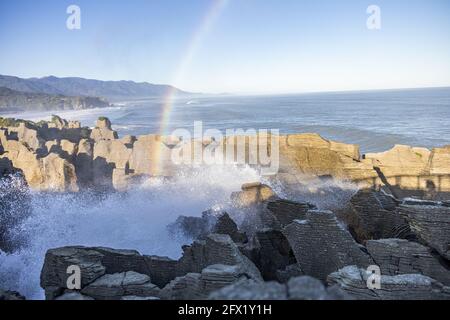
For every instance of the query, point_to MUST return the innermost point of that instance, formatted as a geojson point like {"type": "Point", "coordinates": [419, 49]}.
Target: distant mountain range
{"type": "Point", "coordinates": [50, 91]}
{"type": "Point", "coordinates": [87, 87]}
{"type": "Point", "coordinates": [12, 100]}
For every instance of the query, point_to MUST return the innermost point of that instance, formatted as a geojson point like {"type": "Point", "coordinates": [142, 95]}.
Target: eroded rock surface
{"type": "Point", "coordinates": [322, 245]}
{"type": "Point", "coordinates": [353, 281]}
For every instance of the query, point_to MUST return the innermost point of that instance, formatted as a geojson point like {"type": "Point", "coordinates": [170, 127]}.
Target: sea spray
{"type": "Point", "coordinates": [137, 219]}
{"type": "Point", "coordinates": [133, 220]}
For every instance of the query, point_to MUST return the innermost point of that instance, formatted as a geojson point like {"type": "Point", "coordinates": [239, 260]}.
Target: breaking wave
{"type": "Point", "coordinates": [136, 220]}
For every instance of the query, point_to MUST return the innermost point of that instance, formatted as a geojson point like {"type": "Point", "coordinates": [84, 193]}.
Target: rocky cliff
{"type": "Point", "coordinates": [62, 156]}
{"type": "Point", "coordinates": [12, 100]}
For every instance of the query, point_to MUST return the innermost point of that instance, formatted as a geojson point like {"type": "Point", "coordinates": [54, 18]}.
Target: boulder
{"type": "Point", "coordinates": [73, 296]}
{"type": "Point", "coordinates": [199, 286]}
{"type": "Point", "coordinates": [193, 227]}
{"type": "Point", "coordinates": [309, 155]}
{"type": "Point", "coordinates": [353, 281]}
{"type": "Point", "coordinates": [216, 249]}
{"type": "Point", "coordinates": [285, 211]}
{"type": "Point", "coordinates": [431, 224]}
{"type": "Point", "coordinates": [226, 225]}
{"type": "Point", "coordinates": [396, 256]}
{"type": "Point", "coordinates": [274, 253]}
{"type": "Point", "coordinates": [374, 215]}
{"type": "Point", "coordinates": [300, 288]}
{"type": "Point", "coordinates": [115, 286]}
{"type": "Point", "coordinates": [103, 131]}
{"type": "Point", "coordinates": [58, 174]}
{"type": "Point", "coordinates": [252, 194]}
{"type": "Point", "coordinates": [246, 289]}
{"type": "Point", "coordinates": [319, 238]}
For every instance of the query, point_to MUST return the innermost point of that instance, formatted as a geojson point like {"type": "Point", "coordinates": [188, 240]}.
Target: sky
{"type": "Point", "coordinates": [233, 46]}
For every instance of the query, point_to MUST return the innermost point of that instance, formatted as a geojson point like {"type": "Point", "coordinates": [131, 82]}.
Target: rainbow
{"type": "Point", "coordinates": [206, 24]}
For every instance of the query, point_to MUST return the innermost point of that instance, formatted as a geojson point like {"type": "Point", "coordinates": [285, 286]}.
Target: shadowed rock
{"type": "Point", "coordinates": [322, 245]}
{"type": "Point", "coordinates": [353, 281]}
{"type": "Point", "coordinates": [373, 215]}
{"type": "Point", "coordinates": [395, 256]}
{"type": "Point", "coordinates": [300, 288]}
{"type": "Point", "coordinates": [431, 224]}
{"type": "Point", "coordinates": [115, 286]}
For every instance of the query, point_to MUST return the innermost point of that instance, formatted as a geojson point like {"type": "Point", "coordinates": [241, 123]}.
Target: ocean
{"type": "Point", "coordinates": [376, 120]}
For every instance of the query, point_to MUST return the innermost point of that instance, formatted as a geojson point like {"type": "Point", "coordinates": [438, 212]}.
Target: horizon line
{"type": "Point", "coordinates": [243, 93]}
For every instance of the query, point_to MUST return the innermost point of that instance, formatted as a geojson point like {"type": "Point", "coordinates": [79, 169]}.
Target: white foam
{"type": "Point", "coordinates": [136, 220]}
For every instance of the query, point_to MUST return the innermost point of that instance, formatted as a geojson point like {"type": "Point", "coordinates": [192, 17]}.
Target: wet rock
{"type": "Point", "coordinates": [115, 286]}
{"type": "Point", "coordinates": [274, 253]}
{"type": "Point", "coordinates": [353, 281]}
{"type": "Point", "coordinates": [54, 272]}
{"type": "Point", "coordinates": [74, 296]}
{"type": "Point", "coordinates": [226, 225]}
{"type": "Point", "coordinates": [319, 238]}
{"type": "Point", "coordinates": [431, 224]}
{"type": "Point", "coordinates": [199, 286]}
{"type": "Point", "coordinates": [187, 287]}
{"type": "Point", "coordinates": [193, 227]}
{"type": "Point", "coordinates": [308, 288]}
{"type": "Point", "coordinates": [300, 288]}
{"type": "Point", "coordinates": [161, 269]}
{"type": "Point", "coordinates": [373, 215]}
{"type": "Point", "coordinates": [395, 256]}
{"type": "Point", "coordinates": [291, 271]}
{"type": "Point", "coordinates": [10, 296]}
{"type": "Point", "coordinates": [216, 249]}
{"type": "Point", "coordinates": [252, 194]}
{"type": "Point", "coordinates": [246, 289]}
{"type": "Point", "coordinates": [285, 211]}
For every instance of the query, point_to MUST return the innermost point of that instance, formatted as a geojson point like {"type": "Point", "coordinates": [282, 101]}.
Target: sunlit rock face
{"type": "Point", "coordinates": [62, 156]}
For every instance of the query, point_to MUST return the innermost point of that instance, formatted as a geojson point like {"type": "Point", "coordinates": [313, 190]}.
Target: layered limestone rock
{"type": "Point", "coordinates": [322, 245]}
{"type": "Point", "coordinates": [252, 194]}
{"type": "Point", "coordinates": [119, 285]}
{"type": "Point", "coordinates": [354, 282]}
{"type": "Point", "coordinates": [414, 171]}
{"type": "Point", "coordinates": [102, 159]}
{"type": "Point", "coordinates": [304, 156]}
{"type": "Point", "coordinates": [299, 288]}
{"type": "Point", "coordinates": [199, 286]}
{"type": "Point", "coordinates": [272, 253]}
{"type": "Point", "coordinates": [431, 224]}
{"type": "Point", "coordinates": [396, 256]}
{"type": "Point", "coordinates": [103, 131]}
{"type": "Point", "coordinates": [374, 215]}
{"type": "Point", "coordinates": [116, 274]}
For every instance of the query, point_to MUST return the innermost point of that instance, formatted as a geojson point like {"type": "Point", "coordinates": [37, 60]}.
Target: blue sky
{"type": "Point", "coordinates": [252, 46]}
